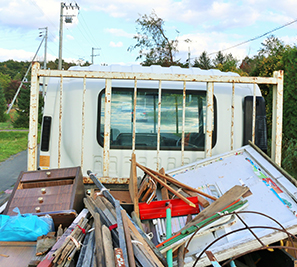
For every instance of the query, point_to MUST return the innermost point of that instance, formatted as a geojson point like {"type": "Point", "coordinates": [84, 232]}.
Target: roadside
{"type": "Point", "coordinates": [9, 172]}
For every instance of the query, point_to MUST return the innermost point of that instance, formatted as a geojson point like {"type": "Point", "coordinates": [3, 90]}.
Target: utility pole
{"type": "Point", "coordinates": [61, 36]}
{"type": "Point", "coordinates": [45, 53]}
{"type": "Point", "coordinates": [68, 19]}
{"type": "Point", "coordinates": [189, 56]}
{"type": "Point", "coordinates": [92, 56]}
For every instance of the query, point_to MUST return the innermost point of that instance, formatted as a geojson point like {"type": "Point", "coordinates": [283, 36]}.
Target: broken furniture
{"type": "Point", "coordinates": [57, 192]}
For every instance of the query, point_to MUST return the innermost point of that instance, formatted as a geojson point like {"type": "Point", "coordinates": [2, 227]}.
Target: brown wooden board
{"type": "Point", "coordinates": [51, 174]}
{"type": "Point", "coordinates": [133, 189]}
{"type": "Point", "coordinates": [228, 198]}
{"type": "Point", "coordinates": [19, 253]}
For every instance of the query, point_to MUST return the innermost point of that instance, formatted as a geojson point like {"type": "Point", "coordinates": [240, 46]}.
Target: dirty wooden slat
{"type": "Point", "coordinates": [133, 184]}
{"type": "Point", "coordinates": [122, 238]}
{"type": "Point", "coordinates": [48, 260]}
{"type": "Point", "coordinates": [167, 186]}
{"type": "Point", "coordinates": [150, 253]}
{"type": "Point", "coordinates": [98, 241]}
{"type": "Point", "coordinates": [164, 190]}
{"type": "Point", "coordinates": [108, 248]}
{"type": "Point", "coordinates": [110, 198]}
{"type": "Point", "coordinates": [128, 239]}
{"type": "Point", "coordinates": [174, 181]}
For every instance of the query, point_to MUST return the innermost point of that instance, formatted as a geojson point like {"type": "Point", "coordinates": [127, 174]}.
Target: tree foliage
{"type": "Point", "coordinates": [203, 61]}
{"type": "Point", "coordinates": [152, 42]}
{"type": "Point", "coordinates": [2, 105]}
{"type": "Point", "coordinates": [23, 109]}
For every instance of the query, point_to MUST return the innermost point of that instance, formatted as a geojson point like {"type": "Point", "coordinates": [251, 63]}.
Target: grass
{"type": "Point", "coordinates": [14, 140]}
{"type": "Point", "coordinates": [12, 143]}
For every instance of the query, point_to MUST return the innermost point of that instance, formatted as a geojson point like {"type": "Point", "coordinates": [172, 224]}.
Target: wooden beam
{"type": "Point", "coordinates": [164, 190]}
{"type": "Point", "coordinates": [133, 189]}
{"type": "Point", "coordinates": [166, 185]}
{"type": "Point", "coordinates": [174, 181]}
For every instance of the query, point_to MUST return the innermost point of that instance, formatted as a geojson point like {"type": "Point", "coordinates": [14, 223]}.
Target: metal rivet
{"type": "Point", "coordinates": [37, 209]}
{"type": "Point", "coordinates": [43, 190]}
{"type": "Point", "coordinates": [48, 173]}
{"type": "Point", "coordinates": [40, 199]}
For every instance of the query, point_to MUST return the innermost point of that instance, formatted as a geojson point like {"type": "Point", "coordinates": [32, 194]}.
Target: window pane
{"type": "Point", "coordinates": [147, 119]}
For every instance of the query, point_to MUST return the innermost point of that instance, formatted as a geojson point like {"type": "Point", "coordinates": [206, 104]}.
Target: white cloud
{"type": "Point", "coordinates": [118, 44]}
{"type": "Point", "coordinates": [69, 37]}
{"type": "Point", "coordinates": [119, 32]}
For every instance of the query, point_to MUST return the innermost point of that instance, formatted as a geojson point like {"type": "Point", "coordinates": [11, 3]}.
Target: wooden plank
{"type": "Point", "coordinates": [174, 181]}
{"type": "Point", "coordinates": [128, 239]}
{"type": "Point", "coordinates": [203, 202]}
{"type": "Point", "coordinates": [165, 184]}
{"type": "Point", "coordinates": [228, 198]}
{"type": "Point", "coordinates": [147, 248]}
{"type": "Point", "coordinates": [164, 190]}
{"type": "Point", "coordinates": [108, 248]}
{"type": "Point", "coordinates": [111, 199]}
{"type": "Point", "coordinates": [122, 239]}
{"type": "Point", "coordinates": [98, 241]}
{"type": "Point", "coordinates": [133, 189]}
{"type": "Point", "coordinates": [18, 254]}
{"type": "Point", "coordinates": [48, 260]}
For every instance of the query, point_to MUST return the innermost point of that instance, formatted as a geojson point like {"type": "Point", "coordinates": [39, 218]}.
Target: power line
{"type": "Point", "coordinates": [255, 38]}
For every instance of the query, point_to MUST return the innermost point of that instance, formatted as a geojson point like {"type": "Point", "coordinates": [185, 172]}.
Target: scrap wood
{"type": "Point", "coordinates": [150, 255]}
{"type": "Point", "coordinates": [164, 190]}
{"type": "Point", "coordinates": [203, 202]}
{"type": "Point", "coordinates": [110, 198]}
{"type": "Point", "coordinates": [165, 184]}
{"type": "Point", "coordinates": [133, 184]}
{"type": "Point", "coordinates": [128, 239]}
{"type": "Point", "coordinates": [72, 243]}
{"type": "Point", "coordinates": [187, 193]}
{"type": "Point", "coordinates": [98, 241]}
{"type": "Point", "coordinates": [230, 201]}
{"type": "Point", "coordinates": [174, 181]}
{"type": "Point", "coordinates": [121, 232]}
{"type": "Point", "coordinates": [48, 259]}
{"type": "Point", "coordinates": [108, 248]}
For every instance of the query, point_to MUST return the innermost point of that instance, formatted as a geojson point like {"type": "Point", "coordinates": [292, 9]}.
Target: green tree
{"type": "Point", "coordinates": [3, 105]}
{"type": "Point", "coordinates": [203, 61]}
{"type": "Point", "coordinates": [289, 64]}
{"type": "Point", "coordinates": [153, 44]}
{"type": "Point", "coordinates": [11, 90]}
{"type": "Point", "coordinates": [4, 80]}
{"type": "Point", "coordinates": [219, 59]}
{"type": "Point", "coordinates": [23, 110]}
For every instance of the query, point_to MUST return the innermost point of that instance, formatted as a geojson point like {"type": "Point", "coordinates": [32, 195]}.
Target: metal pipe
{"type": "Point", "coordinates": [254, 115]}
{"type": "Point", "coordinates": [277, 118]}
{"type": "Point", "coordinates": [83, 123]}
{"type": "Point", "coordinates": [60, 121]}
{"type": "Point", "coordinates": [33, 121]}
{"type": "Point", "coordinates": [134, 115]}
{"type": "Point", "coordinates": [209, 119]}
{"type": "Point", "coordinates": [107, 114]}
{"type": "Point", "coordinates": [183, 126]}
{"type": "Point", "coordinates": [232, 115]}
{"type": "Point", "coordinates": [159, 125]}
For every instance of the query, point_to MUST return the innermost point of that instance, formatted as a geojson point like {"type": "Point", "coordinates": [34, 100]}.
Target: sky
{"type": "Point", "coordinates": [108, 27]}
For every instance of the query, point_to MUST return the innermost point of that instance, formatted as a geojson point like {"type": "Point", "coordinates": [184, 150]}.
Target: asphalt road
{"type": "Point", "coordinates": [11, 168]}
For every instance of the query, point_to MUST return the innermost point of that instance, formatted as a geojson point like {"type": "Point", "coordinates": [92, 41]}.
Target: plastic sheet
{"type": "Point", "coordinates": [24, 227]}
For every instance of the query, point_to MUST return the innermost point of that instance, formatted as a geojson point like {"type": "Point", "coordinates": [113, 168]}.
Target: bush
{"type": "Point", "coordinates": [289, 151]}
{"type": "Point", "coordinates": [3, 116]}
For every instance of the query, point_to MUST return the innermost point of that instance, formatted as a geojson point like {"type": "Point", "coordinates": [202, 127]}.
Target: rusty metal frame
{"type": "Point", "coordinates": [37, 73]}
{"type": "Point", "coordinates": [246, 227]}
